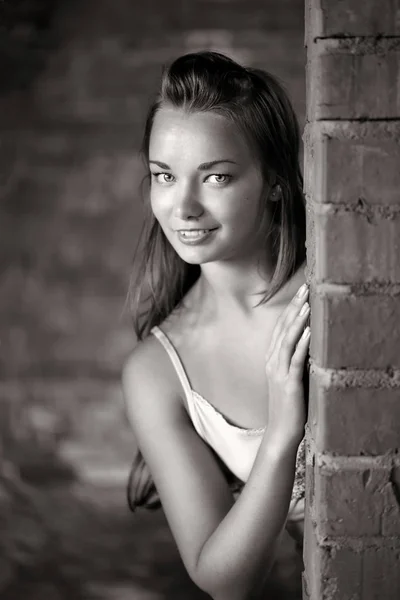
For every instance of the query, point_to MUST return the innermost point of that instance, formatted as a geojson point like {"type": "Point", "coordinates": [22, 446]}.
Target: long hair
{"type": "Point", "coordinates": [257, 103]}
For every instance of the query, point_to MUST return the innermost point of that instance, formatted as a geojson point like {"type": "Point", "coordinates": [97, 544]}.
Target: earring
{"type": "Point", "coordinates": [276, 194]}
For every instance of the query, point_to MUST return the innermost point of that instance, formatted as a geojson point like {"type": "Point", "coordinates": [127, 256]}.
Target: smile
{"type": "Point", "coordinates": [194, 236]}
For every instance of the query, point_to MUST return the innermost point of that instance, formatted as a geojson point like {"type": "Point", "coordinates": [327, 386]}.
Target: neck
{"type": "Point", "coordinates": [235, 285]}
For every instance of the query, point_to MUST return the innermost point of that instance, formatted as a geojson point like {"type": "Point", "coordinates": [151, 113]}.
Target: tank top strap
{"type": "Point", "coordinates": [176, 361]}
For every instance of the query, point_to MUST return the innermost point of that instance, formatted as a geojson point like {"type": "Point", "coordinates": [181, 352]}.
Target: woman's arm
{"type": "Point", "coordinates": [237, 558]}
{"type": "Point", "coordinates": [227, 547]}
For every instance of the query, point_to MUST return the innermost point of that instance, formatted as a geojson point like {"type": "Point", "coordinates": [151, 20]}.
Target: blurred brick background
{"type": "Point", "coordinates": [76, 79]}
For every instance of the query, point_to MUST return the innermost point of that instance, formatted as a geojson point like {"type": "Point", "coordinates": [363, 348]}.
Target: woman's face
{"type": "Point", "coordinates": [207, 190]}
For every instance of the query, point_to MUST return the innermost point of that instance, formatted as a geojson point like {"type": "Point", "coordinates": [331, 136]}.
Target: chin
{"type": "Point", "coordinates": [196, 254]}
{"type": "Point", "coordinates": [197, 258]}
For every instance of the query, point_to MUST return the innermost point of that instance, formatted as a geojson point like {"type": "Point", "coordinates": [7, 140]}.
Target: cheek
{"type": "Point", "coordinates": [153, 204]}
{"type": "Point", "coordinates": [245, 209]}
{"type": "Point", "coordinates": [158, 204]}
{"type": "Point", "coordinates": [245, 217]}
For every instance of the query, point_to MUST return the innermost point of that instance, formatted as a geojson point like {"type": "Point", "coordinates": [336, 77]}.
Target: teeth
{"type": "Point", "coordinates": [194, 234]}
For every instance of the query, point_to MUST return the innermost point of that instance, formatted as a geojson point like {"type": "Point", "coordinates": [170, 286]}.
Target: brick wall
{"type": "Point", "coordinates": [76, 79]}
{"type": "Point", "coordinates": [352, 548]}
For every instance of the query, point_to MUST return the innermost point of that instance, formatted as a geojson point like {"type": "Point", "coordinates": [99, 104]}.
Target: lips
{"type": "Point", "coordinates": [195, 229]}
{"type": "Point", "coordinates": [195, 236]}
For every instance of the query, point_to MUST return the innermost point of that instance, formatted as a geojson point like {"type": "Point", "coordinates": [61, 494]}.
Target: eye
{"type": "Point", "coordinates": [162, 177]}
{"type": "Point", "coordinates": [219, 178]}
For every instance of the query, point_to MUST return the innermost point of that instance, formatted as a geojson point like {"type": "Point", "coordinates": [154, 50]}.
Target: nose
{"type": "Point", "coordinates": [187, 205]}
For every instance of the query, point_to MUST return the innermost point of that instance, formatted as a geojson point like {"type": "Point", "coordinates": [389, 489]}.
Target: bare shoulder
{"type": "Point", "coordinates": [149, 382]}
{"type": "Point", "coordinates": [192, 488]}
{"type": "Point", "coordinates": [142, 359]}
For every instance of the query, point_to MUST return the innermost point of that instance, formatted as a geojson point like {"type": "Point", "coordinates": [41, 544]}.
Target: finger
{"type": "Point", "coordinates": [295, 306]}
{"type": "Point", "coordinates": [292, 336]}
{"type": "Point", "coordinates": [290, 313]}
{"type": "Point", "coordinates": [297, 363]}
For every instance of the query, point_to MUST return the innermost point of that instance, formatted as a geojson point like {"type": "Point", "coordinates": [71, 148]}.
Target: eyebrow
{"type": "Point", "coordinates": [203, 167]}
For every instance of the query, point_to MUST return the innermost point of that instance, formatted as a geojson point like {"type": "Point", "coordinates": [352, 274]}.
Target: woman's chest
{"type": "Point", "coordinates": [228, 370]}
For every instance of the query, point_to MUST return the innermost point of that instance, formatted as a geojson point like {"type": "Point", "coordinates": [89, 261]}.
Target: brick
{"type": "Point", "coordinates": [367, 156]}
{"type": "Point", "coordinates": [381, 573]}
{"type": "Point", "coordinates": [310, 235]}
{"type": "Point", "coordinates": [348, 499]}
{"type": "Point", "coordinates": [330, 569]}
{"type": "Point", "coordinates": [86, 171]}
{"type": "Point", "coordinates": [310, 484]}
{"type": "Point", "coordinates": [335, 423]}
{"type": "Point", "coordinates": [352, 183]}
{"type": "Point", "coordinates": [206, 13]}
{"type": "Point", "coordinates": [353, 79]}
{"type": "Point", "coordinates": [72, 336]}
{"type": "Point", "coordinates": [356, 247]}
{"type": "Point", "coordinates": [312, 556]}
{"type": "Point", "coordinates": [114, 80]}
{"type": "Point", "coordinates": [132, 20]}
{"type": "Point", "coordinates": [352, 17]}
{"type": "Point", "coordinates": [71, 217]}
{"type": "Point", "coordinates": [350, 331]}
{"type": "Point", "coordinates": [391, 514]}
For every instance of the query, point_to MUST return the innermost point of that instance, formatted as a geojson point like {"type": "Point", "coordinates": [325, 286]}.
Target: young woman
{"type": "Point", "coordinates": [215, 387]}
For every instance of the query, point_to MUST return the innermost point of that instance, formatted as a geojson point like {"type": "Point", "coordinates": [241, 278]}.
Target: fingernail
{"type": "Point", "coordinates": [302, 290]}
{"type": "Point", "coordinates": [304, 308]}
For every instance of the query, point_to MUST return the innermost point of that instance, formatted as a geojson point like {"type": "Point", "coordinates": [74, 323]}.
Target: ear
{"type": "Point", "coordinates": [276, 193]}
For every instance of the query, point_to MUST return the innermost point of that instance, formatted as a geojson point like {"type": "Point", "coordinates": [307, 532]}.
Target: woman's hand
{"type": "Point", "coordinates": [284, 369]}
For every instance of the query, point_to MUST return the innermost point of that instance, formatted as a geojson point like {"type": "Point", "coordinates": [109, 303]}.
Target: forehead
{"type": "Point", "coordinates": [200, 135]}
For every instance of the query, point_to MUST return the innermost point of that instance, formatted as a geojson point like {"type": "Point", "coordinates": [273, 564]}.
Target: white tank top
{"type": "Point", "coordinates": [237, 447]}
